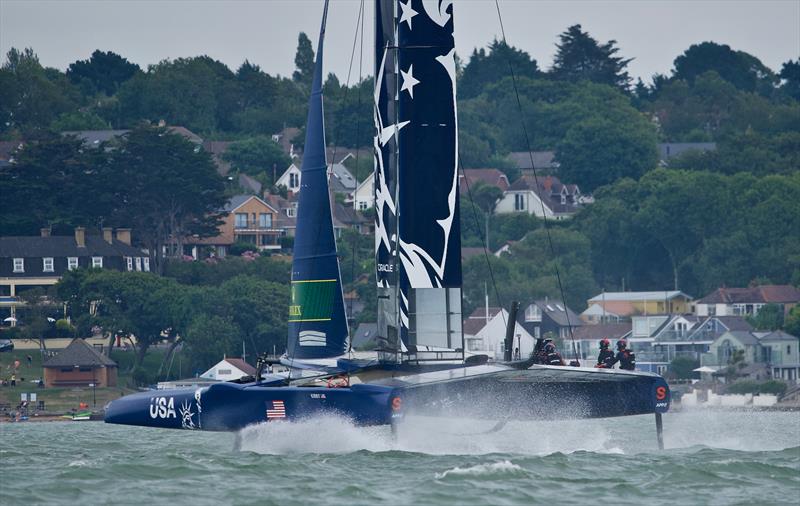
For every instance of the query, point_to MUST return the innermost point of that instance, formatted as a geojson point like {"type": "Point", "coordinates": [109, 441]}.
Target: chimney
{"type": "Point", "coordinates": [45, 232]}
{"type": "Point", "coordinates": [124, 235]}
{"type": "Point", "coordinates": [107, 237]}
{"type": "Point", "coordinates": [80, 237]}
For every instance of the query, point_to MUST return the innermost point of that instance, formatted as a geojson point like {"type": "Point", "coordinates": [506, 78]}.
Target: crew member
{"type": "Point", "coordinates": [605, 359]}
{"type": "Point", "coordinates": [551, 356]}
{"type": "Point", "coordinates": [625, 357]}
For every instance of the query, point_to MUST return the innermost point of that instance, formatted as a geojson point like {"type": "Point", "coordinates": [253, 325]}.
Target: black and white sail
{"type": "Point", "coordinates": [417, 225]}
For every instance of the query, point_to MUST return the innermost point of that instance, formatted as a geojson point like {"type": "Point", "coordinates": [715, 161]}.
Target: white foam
{"type": "Point", "coordinates": [494, 468]}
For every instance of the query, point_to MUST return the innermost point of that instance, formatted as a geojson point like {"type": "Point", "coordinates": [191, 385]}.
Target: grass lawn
{"type": "Point", "coordinates": [62, 399]}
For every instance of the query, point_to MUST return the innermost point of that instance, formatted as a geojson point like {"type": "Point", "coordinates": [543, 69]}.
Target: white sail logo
{"type": "Point", "coordinates": [312, 338]}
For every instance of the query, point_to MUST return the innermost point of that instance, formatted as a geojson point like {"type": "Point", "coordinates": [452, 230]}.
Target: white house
{"type": "Point", "coordinates": [482, 336]}
{"type": "Point", "coordinates": [747, 301]}
{"type": "Point", "coordinates": [290, 179]}
{"type": "Point", "coordinates": [549, 198]}
{"type": "Point", "coordinates": [364, 196]}
{"type": "Point", "coordinates": [229, 369]}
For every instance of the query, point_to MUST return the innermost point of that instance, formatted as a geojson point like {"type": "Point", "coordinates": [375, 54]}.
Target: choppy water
{"type": "Point", "coordinates": [712, 457]}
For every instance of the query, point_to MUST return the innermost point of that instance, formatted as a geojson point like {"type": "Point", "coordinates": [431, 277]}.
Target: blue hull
{"type": "Point", "coordinates": [232, 406]}
{"type": "Point", "coordinates": [489, 392]}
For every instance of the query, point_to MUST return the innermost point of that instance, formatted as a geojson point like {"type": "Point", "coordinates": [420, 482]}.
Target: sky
{"type": "Point", "coordinates": [653, 32]}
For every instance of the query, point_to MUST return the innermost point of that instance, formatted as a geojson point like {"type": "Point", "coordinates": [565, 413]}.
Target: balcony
{"type": "Point", "coordinates": [253, 225]}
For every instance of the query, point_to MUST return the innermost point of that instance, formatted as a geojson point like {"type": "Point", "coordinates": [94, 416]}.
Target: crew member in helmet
{"type": "Point", "coordinates": [625, 357]}
{"type": "Point", "coordinates": [551, 356]}
{"type": "Point", "coordinates": [605, 359]}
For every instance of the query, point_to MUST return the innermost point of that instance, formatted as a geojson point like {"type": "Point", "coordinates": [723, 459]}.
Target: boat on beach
{"type": "Point", "coordinates": [421, 365]}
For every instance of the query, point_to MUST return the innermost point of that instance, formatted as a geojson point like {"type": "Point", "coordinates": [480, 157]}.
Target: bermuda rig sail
{"type": "Point", "coordinates": [420, 365]}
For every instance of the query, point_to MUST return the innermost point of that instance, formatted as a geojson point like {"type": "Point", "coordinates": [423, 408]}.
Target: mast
{"type": "Point", "coordinates": [317, 320]}
{"type": "Point", "coordinates": [418, 247]}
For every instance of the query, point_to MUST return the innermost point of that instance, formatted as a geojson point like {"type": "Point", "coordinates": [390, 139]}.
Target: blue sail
{"type": "Point", "coordinates": [317, 321]}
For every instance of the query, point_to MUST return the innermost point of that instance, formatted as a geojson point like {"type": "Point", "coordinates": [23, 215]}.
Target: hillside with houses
{"type": "Point", "coordinates": [184, 177]}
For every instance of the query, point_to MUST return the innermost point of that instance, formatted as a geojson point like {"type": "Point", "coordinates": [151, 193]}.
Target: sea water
{"type": "Point", "coordinates": [711, 457]}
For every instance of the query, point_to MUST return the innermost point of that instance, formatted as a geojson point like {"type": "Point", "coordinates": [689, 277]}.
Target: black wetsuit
{"type": "Point", "coordinates": [605, 359]}
{"type": "Point", "coordinates": [626, 359]}
{"type": "Point", "coordinates": [553, 358]}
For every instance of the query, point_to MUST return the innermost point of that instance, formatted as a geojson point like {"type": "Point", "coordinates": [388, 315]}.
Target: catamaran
{"type": "Point", "coordinates": [420, 365]}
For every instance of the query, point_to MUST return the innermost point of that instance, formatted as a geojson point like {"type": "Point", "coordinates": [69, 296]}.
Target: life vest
{"type": "Point", "coordinates": [605, 359]}
{"type": "Point", "coordinates": [627, 360]}
{"type": "Point", "coordinates": [554, 359]}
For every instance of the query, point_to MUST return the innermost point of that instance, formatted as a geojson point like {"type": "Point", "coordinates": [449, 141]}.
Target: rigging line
{"type": "Point", "coordinates": [536, 184]}
{"type": "Point", "coordinates": [480, 234]}
{"type": "Point", "coordinates": [358, 153]}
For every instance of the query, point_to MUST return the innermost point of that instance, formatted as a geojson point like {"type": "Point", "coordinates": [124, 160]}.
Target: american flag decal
{"type": "Point", "coordinates": [278, 410]}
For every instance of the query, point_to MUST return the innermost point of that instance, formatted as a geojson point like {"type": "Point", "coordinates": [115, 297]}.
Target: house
{"type": "Point", "coordinates": [660, 339]}
{"type": "Point", "coordinates": [29, 262]}
{"type": "Point", "coordinates": [364, 195]}
{"type": "Point", "coordinates": [79, 364]}
{"type": "Point", "coordinates": [618, 306]}
{"type": "Point", "coordinates": [757, 359]}
{"type": "Point", "coordinates": [486, 335]}
{"type": "Point", "coordinates": [490, 177]}
{"type": "Point", "coordinates": [287, 212]}
{"type": "Point", "coordinates": [290, 179]}
{"type": "Point", "coordinates": [364, 337]}
{"type": "Point", "coordinates": [246, 219]}
{"type": "Point", "coordinates": [549, 198]}
{"type": "Point", "coordinates": [545, 160]}
{"type": "Point", "coordinates": [229, 369]}
{"type": "Point", "coordinates": [545, 316]}
{"type": "Point", "coordinates": [340, 180]}
{"type": "Point", "coordinates": [667, 150]}
{"type": "Point", "coordinates": [747, 301]}
{"type": "Point", "coordinates": [285, 139]}
{"type": "Point", "coordinates": [345, 217]}
{"type": "Point", "coordinates": [782, 353]}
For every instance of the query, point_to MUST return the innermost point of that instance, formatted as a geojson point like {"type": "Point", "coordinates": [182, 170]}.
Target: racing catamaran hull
{"type": "Point", "coordinates": [481, 392]}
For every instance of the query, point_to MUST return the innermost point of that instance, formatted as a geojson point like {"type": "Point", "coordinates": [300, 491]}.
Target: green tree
{"type": "Point", "coordinates": [790, 76]}
{"type": "Point", "coordinates": [579, 56]}
{"type": "Point", "coordinates": [304, 62]}
{"type": "Point", "coordinates": [485, 67]}
{"type": "Point", "coordinates": [31, 96]}
{"type": "Point", "coordinates": [103, 72]}
{"type": "Point", "coordinates": [744, 71]}
{"type": "Point", "coordinates": [167, 190]}
{"type": "Point", "coordinates": [683, 368]}
{"type": "Point", "coordinates": [258, 156]}
{"type": "Point", "coordinates": [598, 151]}
{"type": "Point", "coordinates": [792, 323]}
{"type": "Point", "coordinates": [769, 317]}
{"type": "Point", "coordinates": [208, 339]}
{"type": "Point", "coordinates": [58, 173]}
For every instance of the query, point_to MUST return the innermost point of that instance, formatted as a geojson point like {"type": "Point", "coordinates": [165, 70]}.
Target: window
{"type": "Point", "coordinates": [146, 264]}
{"type": "Point", "coordinates": [788, 349]}
{"type": "Point", "coordinates": [519, 202]}
{"type": "Point", "coordinates": [294, 180]}
{"type": "Point", "coordinates": [97, 262]}
{"type": "Point", "coordinates": [138, 263]}
{"type": "Point", "coordinates": [265, 220]}
{"type": "Point", "coordinates": [362, 205]}
{"type": "Point", "coordinates": [241, 220]}
{"type": "Point", "coordinates": [533, 313]}
{"type": "Point", "coordinates": [47, 264]}
{"type": "Point", "coordinates": [85, 369]}
{"type": "Point", "coordinates": [662, 369]}
{"type": "Point", "coordinates": [19, 265]}
{"type": "Point", "coordinates": [129, 262]}
{"type": "Point", "coordinates": [290, 212]}
{"type": "Point", "coordinates": [72, 263]}
{"type": "Point", "coordinates": [224, 372]}
{"type": "Point", "coordinates": [712, 310]}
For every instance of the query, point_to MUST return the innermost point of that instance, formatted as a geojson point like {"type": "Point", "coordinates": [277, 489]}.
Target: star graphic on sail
{"type": "Point", "coordinates": [409, 81]}
{"type": "Point", "coordinates": [407, 14]}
